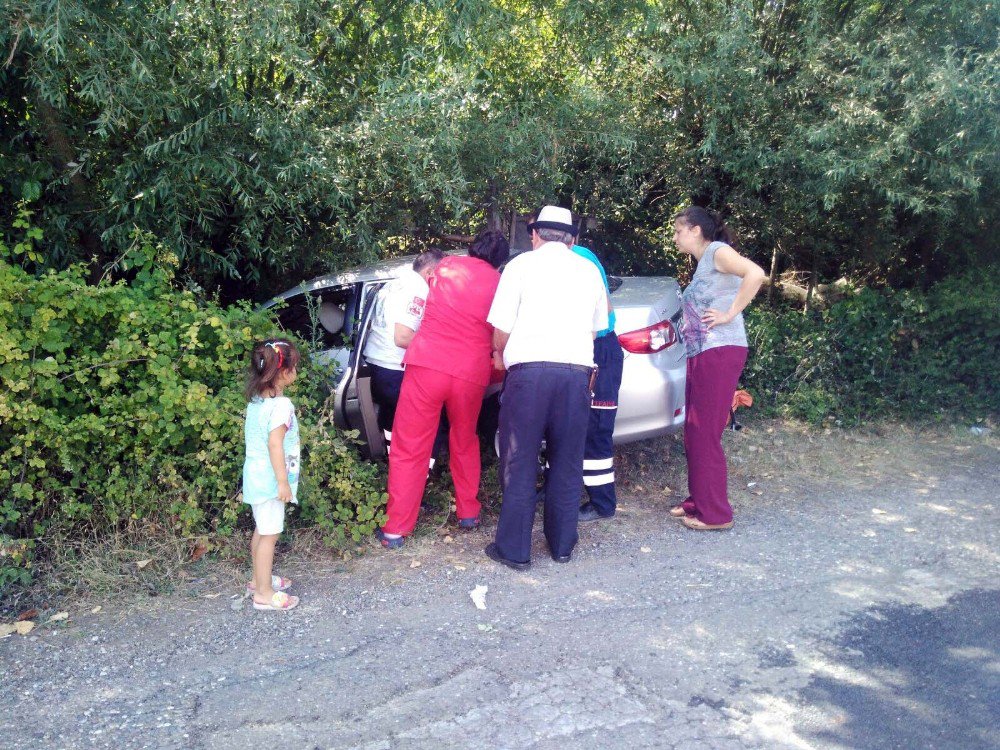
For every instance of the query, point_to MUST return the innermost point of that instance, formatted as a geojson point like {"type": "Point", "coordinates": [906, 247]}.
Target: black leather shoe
{"type": "Point", "coordinates": [589, 513]}
{"type": "Point", "coordinates": [493, 554]}
{"type": "Point", "coordinates": [561, 558]}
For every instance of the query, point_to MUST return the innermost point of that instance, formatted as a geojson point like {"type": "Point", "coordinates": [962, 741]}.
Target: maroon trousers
{"type": "Point", "coordinates": [712, 377]}
{"type": "Point", "coordinates": [423, 393]}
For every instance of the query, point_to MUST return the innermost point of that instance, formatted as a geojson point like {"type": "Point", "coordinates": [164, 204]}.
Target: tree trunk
{"type": "Point", "coordinates": [773, 276]}
{"type": "Point", "coordinates": [812, 281]}
{"type": "Point", "coordinates": [61, 154]}
{"type": "Point", "coordinates": [494, 217]}
{"type": "Point", "coordinates": [581, 228]}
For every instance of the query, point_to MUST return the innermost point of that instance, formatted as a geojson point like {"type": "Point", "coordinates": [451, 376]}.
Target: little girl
{"type": "Point", "coordinates": [271, 470]}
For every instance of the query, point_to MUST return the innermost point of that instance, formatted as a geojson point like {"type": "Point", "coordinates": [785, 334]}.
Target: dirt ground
{"type": "Point", "coordinates": [855, 604]}
{"type": "Point", "coordinates": [773, 464]}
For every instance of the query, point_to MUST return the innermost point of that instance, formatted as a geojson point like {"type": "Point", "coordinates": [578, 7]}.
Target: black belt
{"type": "Point", "coordinates": [554, 365]}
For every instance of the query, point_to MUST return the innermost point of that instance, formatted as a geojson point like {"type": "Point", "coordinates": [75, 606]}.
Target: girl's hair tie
{"type": "Point", "coordinates": [274, 345]}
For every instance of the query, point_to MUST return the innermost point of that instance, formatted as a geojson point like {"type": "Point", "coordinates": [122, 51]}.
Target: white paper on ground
{"type": "Point", "coordinates": [478, 595]}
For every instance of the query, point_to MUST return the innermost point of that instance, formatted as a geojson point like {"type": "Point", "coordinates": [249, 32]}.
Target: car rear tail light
{"type": "Point", "coordinates": [649, 340]}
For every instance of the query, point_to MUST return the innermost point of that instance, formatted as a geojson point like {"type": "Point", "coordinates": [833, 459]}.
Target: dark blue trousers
{"type": "Point", "coordinates": [598, 456]}
{"type": "Point", "coordinates": [386, 384]}
{"type": "Point", "coordinates": [385, 390]}
{"type": "Point", "coordinates": [542, 401]}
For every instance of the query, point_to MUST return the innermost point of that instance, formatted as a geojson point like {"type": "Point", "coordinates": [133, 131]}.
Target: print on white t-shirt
{"type": "Point", "coordinates": [402, 300]}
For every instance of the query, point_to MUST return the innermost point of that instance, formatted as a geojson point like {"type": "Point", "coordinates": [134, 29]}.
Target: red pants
{"type": "Point", "coordinates": [421, 397]}
{"type": "Point", "coordinates": [712, 377]}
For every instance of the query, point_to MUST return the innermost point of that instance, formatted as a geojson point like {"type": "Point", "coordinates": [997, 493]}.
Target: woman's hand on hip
{"type": "Point", "coordinates": [713, 318]}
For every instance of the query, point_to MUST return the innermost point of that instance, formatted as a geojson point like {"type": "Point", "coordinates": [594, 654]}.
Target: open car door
{"type": "Point", "coordinates": [355, 407]}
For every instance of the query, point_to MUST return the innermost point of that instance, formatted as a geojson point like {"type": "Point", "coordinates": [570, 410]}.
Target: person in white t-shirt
{"type": "Point", "coordinates": [547, 309]}
{"type": "Point", "coordinates": [399, 309]}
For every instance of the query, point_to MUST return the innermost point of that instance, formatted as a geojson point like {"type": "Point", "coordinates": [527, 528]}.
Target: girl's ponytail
{"type": "Point", "coordinates": [267, 360]}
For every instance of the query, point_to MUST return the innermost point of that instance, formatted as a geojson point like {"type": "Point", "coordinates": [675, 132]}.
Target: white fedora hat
{"type": "Point", "coordinates": [554, 217]}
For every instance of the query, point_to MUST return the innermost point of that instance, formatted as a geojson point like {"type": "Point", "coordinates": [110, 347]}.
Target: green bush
{"type": "Point", "coordinates": [123, 403]}
{"type": "Point", "coordinates": [344, 497]}
{"type": "Point", "coordinates": [882, 353]}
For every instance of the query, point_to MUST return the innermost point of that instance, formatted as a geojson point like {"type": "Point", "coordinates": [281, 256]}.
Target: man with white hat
{"type": "Point", "coordinates": [548, 307]}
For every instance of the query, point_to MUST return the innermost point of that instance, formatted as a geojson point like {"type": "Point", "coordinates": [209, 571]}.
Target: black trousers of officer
{"type": "Point", "coordinates": [598, 456]}
{"type": "Point", "coordinates": [547, 401]}
{"type": "Point", "coordinates": [385, 391]}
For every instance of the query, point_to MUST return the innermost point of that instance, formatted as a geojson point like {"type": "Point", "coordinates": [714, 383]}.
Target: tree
{"type": "Point", "coordinates": [270, 140]}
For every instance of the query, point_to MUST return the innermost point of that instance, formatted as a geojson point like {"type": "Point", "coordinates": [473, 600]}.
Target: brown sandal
{"type": "Point", "coordinates": [678, 512]}
{"type": "Point", "coordinates": [694, 523]}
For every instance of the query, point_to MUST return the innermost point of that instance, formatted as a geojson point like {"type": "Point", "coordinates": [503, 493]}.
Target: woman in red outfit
{"type": "Point", "coordinates": [448, 364]}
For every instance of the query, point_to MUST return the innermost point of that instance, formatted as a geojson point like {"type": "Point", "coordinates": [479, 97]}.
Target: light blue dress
{"type": "Point", "coordinates": [263, 415]}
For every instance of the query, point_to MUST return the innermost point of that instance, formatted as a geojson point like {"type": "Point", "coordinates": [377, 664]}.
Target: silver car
{"type": "Point", "coordinates": [334, 313]}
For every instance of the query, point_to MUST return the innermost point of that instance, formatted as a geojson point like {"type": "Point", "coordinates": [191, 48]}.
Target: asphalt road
{"type": "Point", "coordinates": [838, 615]}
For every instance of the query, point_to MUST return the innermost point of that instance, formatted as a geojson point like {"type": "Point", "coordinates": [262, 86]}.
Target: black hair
{"type": "Point", "coordinates": [428, 258]}
{"type": "Point", "coordinates": [713, 228]}
{"type": "Point", "coordinates": [267, 359]}
{"type": "Point", "coordinates": [491, 246]}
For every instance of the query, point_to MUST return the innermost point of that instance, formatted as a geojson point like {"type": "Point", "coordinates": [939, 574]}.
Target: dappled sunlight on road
{"type": "Point", "coordinates": [986, 553]}
{"type": "Point", "coordinates": [939, 508]}
{"type": "Point", "coordinates": [859, 566]}
{"type": "Point", "coordinates": [892, 667]}
{"type": "Point", "coordinates": [884, 516]}
{"type": "Point", "coordinates": [865, 592]}
{"type": "Point", "coordinates": [915, 585]}
{"type": "Point", "coordinates": [847, 610]}
{"type": "Point", "coordinates": [989, 658]}
{"type": "Point", "coordinates": [875, 680]}
{"type": "Point", "coordinates": [685, 640]}
{"type": "Point", "coordinates": [774, 720]}
{"type": "Point", "coordinates": [739, 566]}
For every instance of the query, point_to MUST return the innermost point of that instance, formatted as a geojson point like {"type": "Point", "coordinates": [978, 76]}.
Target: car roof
{"type": "Point", "coordinates": [633, 291]}
{"type": "Point", "coordinates": [386, 269]}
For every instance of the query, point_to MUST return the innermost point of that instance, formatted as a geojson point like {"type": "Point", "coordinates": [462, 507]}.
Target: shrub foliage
{"type": "Point", "coordinates": [880, 353]}
{"type": "Point", "coordinates": [123, 401]}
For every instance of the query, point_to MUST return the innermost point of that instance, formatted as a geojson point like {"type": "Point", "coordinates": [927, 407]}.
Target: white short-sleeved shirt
{"type": "Point", "coordinates": [551, 301]}
{"type": "Point", "coordinates": [259, 481]}
{"type": "Point", "coordinates": [402, 300]}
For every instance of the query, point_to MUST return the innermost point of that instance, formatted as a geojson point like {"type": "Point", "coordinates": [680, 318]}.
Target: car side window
{"type": "Point", "coordinates": [324, 317]}
{"type": "Point", "coordinates": [369, 296]}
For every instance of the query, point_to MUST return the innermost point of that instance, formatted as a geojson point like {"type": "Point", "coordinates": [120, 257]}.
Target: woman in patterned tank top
{"type": "Point", "coordinates": [723, 284]}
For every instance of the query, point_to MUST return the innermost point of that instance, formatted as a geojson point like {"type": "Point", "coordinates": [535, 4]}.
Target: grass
{"type": "Point", "coordinates": [140, 560]}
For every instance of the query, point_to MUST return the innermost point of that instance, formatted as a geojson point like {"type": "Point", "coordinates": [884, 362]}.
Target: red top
{"type": "Point", "coordinates": [454, 336]}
